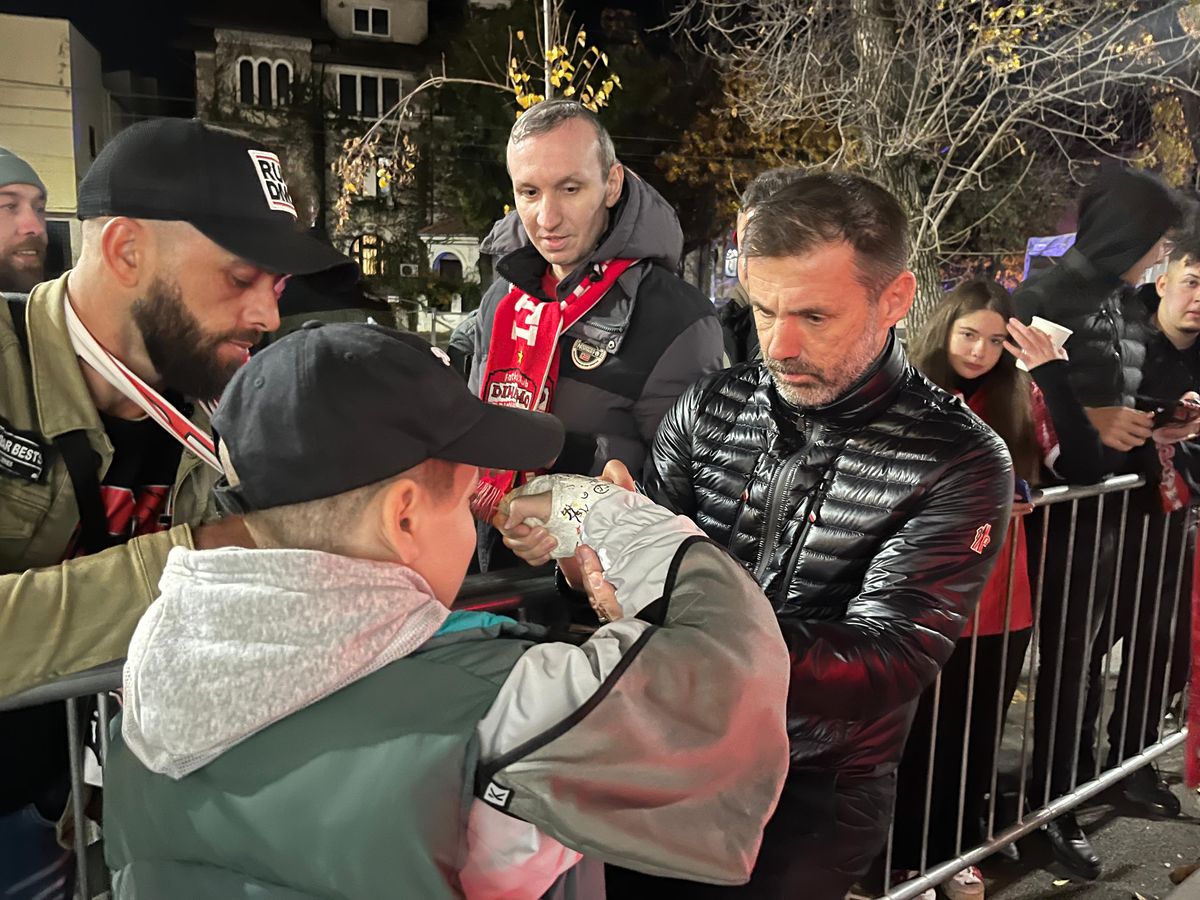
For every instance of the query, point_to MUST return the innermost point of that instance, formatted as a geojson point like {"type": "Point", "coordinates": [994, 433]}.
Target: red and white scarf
{"type": "Point", "coordinates": [134, 388]}
{"type": "Point", "coordinates": [523, 360]}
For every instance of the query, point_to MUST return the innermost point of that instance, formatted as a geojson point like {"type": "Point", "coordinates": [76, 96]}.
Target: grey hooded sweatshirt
{"type": "Point", "coordinates": [659, 743]}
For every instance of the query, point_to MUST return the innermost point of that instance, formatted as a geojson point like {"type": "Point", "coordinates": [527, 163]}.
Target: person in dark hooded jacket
{"type": "Point", "coordinates": [737, 316]}
{"type": "Point", "coordinates": [1123, 222]}
{"type": "Point", "coordinates": [587, 320]}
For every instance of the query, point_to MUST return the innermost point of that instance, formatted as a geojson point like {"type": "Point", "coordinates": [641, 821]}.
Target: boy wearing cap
{"type": "Point", "coordinates": [309, 720]}
{"type": "Point", "coordinates": [106, 459]}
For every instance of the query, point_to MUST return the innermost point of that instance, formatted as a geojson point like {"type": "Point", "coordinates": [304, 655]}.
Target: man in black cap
{"type": "Point", "coordinates": [106, 456]}
{"type": "Point", "coordinates": [441, 754]}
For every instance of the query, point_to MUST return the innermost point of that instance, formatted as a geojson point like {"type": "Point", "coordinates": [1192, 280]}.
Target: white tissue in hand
{"type": "Point", "coordinates": [571, 496]}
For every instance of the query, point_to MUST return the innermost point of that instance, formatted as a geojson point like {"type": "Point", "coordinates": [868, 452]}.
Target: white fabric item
{"type": "Point", "coordinates": [571, 496]}
{"type": "Point", "coordinates": [637, 540]}
{"type": "Point", "coordinates": [242, 638]}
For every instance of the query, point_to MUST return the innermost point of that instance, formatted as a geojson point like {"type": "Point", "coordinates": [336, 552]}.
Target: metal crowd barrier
{"type": "Point", "coordinates": [1157, 596]}
{"type": "Point", "coordinates": [528, 595]}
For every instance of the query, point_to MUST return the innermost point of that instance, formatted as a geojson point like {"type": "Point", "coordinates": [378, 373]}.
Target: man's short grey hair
{"type": "Point", "coordinates": [549, 114]}
{"type": "Point", "coordinates": [766, 184]}
{"type": "Point", "coordinates": [830, 208]}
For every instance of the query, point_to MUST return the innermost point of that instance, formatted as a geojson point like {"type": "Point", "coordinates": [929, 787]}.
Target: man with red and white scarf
{"type": "Point", "coordinates": [587, 320]}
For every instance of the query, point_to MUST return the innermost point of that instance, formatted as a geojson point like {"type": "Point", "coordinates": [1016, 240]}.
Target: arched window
{"type": "Point", "coordinates": [449, 268]}
{"type": "Point", "coordinates": [246, 82]}
{"type": "Point", "coordinates": [283, 83]}
{"type": "Point", "coordinates": [367, 252]}
{"type": "Point", "coordinates": [263, 85]}
{"type": "Point", "coordinates": [264, 82]}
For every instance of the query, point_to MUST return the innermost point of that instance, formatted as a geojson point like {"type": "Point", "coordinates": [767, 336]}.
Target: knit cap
{"type": "Point", "coordinates": [14, 170]}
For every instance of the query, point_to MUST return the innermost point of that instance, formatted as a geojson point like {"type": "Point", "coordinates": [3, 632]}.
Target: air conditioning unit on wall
{"type": "Point", "coordinates": [408, 270]}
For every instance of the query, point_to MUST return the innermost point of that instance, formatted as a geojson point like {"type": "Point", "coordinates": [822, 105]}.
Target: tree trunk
{"type": "Point", "coordinates": [929, 291]}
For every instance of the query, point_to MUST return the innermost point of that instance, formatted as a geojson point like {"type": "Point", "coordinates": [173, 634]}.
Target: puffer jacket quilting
{"type": "Point", "coordinates": [858, 519]}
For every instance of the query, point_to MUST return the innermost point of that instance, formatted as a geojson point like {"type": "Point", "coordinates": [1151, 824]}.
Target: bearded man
{"type": "Point", "coordinates": [868, 504]}
{"type": "Point", "coordinates": [106, 455]}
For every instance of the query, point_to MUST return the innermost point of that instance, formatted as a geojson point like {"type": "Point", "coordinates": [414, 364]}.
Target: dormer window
{"type": "Point", "coordinates": [372, 20]}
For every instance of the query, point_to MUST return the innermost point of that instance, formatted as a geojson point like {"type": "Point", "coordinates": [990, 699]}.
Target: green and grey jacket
{"type": "Point", "coordinates": [301, 725]}
{"type": "Point", "coordinates": [60, 617]}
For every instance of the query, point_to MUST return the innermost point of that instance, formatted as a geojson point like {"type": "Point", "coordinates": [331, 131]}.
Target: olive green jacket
{"type": "Point", "coordinates": [61, 617]}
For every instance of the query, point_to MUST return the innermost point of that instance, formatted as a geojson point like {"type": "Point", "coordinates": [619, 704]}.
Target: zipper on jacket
{"type": "Point", "coordinates": [811, 517]}
{"type": "Point", "coordinates": [776, 495]}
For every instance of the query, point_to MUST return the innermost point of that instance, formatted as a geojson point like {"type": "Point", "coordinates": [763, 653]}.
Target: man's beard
{"type": "Point", "coordinates": [181, 351]}
{"type": "Point", "coordinates": [21, 279]}
{"type": "Point", "coordinates": [831, 383]}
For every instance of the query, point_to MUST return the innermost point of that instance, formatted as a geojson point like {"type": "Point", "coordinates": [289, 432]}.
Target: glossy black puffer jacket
{"type": "Point", "coordinates": [872, 524]}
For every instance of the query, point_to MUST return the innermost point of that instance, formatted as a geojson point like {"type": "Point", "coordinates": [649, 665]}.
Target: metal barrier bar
{"type": "Point", "coordinates": [79, 832]}
{"type": "Point", "coordinates": [1131, 658]}
{"type": "Point", "coordinates": [1001, 705]}
{"type": "Point", "coordinates": [1056, 693]}
{"type": "Point", "coordinates": [1065, 803]}
{"type": "Point", "coordinates": [530, 595]}
{"type": "Point", "coordinates": [1106, 675]}
{"type": "Point", "coordinates": [1086, 670]}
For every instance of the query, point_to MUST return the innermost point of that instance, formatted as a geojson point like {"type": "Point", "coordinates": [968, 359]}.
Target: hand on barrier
{"type": "Point", "coordinates": [1121, 427]}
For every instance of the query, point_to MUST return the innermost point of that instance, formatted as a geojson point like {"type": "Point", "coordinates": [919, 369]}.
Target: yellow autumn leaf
{"type": "Point", "coordinates": [582, 38]}
{"type": "Point", "coordinates": [604, 58]}
{"type": "Point", "coordinates": [520, 35]}
{"type": "Point", "coordinates": [569, 92]}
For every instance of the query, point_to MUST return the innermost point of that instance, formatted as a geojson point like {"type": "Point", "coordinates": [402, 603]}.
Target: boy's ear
{"type": "Point", "coordinates": [402, 508]}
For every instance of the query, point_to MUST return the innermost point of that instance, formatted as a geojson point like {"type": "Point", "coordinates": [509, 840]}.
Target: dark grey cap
{"type": "Point", "coordinates": [331, 408]}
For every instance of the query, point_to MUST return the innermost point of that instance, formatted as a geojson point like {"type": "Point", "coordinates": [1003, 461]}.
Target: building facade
{"type": "Point", "coordinates": [55, 113]}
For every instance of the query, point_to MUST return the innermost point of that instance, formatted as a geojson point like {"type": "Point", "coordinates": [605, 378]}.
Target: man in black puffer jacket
{"type": "Point", "coordinates": [869, 504]}
{"type": "Point", "coordinates": [1123, 220]}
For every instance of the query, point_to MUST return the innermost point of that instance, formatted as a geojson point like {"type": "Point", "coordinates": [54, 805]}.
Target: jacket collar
{"type": "Point", "coordinates": [63, 400]}
{"type": "Point", "coordinates": [870, 395]}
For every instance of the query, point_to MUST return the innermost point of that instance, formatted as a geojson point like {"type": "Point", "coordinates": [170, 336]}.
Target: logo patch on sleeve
{"type": "Point", "coordinates": [497, 796]}
{"type": "Point", "coordinates": [270, 175]}
{"type": "Point", "coordinates": [983, 537]}
{"type": "Point", "coordinates": [21, 454]}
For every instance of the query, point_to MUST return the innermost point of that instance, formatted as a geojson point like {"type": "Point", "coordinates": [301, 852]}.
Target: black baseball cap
{"type": "Point", "coordinates": [228, 186]}
{"type": "Point", "coordinates": [331, 408]}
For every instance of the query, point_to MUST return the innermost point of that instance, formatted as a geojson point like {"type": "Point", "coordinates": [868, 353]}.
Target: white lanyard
{"type": "Point", "coordinates": [131, 386]}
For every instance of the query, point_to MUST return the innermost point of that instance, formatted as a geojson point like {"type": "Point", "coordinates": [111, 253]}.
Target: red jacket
{"type": "Point", "coordinates": [994, 607]}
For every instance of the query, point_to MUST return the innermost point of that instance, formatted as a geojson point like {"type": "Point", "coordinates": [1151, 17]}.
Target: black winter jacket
{"type": "Point", "coordinates": [1107, 350]}
{"type": "Point", "coordinates": [1169, 373]}
{"type": "Point", "coordinates": [660, 333]}
{"type": "Point", "coordinates": [1120, 219]}
{"type": "Point", "coordinates": [871, 523]}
